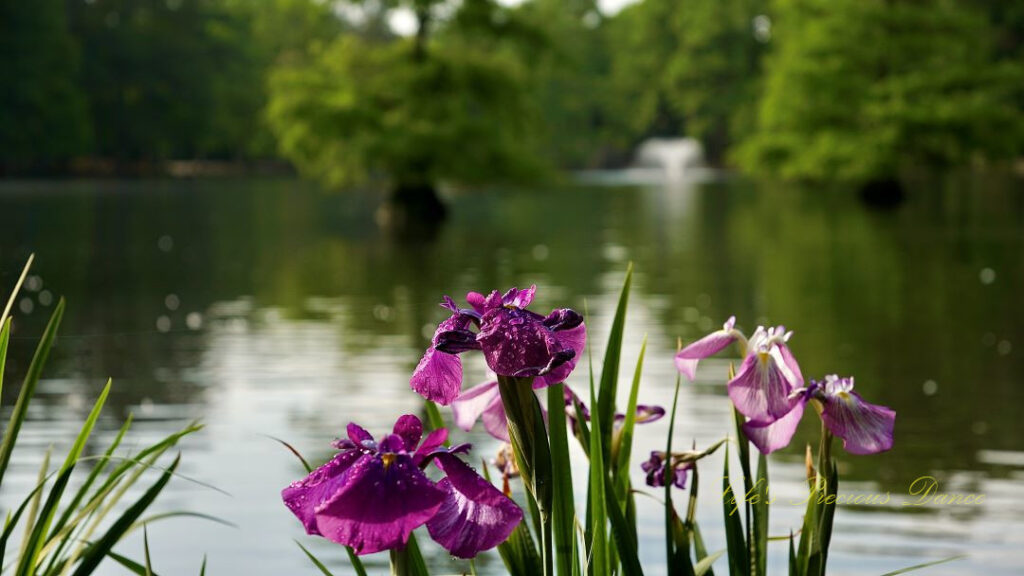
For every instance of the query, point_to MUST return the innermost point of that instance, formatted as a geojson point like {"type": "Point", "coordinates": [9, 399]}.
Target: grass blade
{"type": "Point", "coordinates": [12, 519]}
{"type": "Point", "coordinates": [17, 288]}
{"type": "Point", "coordinates": [132, 566]}
{"type": "Point", "coordinates": [610, 371]}
{"type": "Point", "coordinates": [28, 389]}
{"type": "Point", "coordinates": [620, 466]}
{"type": "Point", "coordinates": [92, 558]}
{"type": "Point", "coordinates": [145, 546]}
{"type": "Point", "coordinates": [739, 561]}
{"type": "Point", "coordinates": [759, 545]}
{"type": "Point", "coordinates": [5, 337]}
{"type": "Point", "coordinates": [599, 557]}
{"type": "Point", "coordinates": [673, 563]}
{"type": "Point", "coordinates": [316, 562]}
{"type": "Point", "coordinates": [925, 565]}
{"type": "Point", "coordinates": [563, 511]}
{"type": "Point", "coordinates": [293, 450]}
{"type": "Point", "coordinates": [353, 559]}
{"type": "Point", "coordinates": [624, 536]}
{"type": "Point", "coordinates": [36, 540]}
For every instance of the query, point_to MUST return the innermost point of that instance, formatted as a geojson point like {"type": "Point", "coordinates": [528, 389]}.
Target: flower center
{"type": "Point", "coordinates": [388, 459]}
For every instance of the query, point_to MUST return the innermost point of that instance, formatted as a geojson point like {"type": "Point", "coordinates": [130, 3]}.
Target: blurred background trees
{"type": "Point", "coordinates": [417, 92]}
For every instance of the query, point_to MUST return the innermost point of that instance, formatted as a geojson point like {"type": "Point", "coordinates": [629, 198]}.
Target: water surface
{"type": "Point", "coordinates": [268, 308]}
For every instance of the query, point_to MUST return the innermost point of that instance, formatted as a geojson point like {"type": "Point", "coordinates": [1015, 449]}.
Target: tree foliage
{"type": "Point", "coordinates": [448, 106]}
{"type": "Point", "coordinates": [42, 112]}
{"type": "Point", "coordinates": [863, 89]}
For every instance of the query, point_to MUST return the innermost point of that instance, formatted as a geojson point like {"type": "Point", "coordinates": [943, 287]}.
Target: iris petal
{"type": "Point", "coordinates": [438, 376]}
{"type": "Point", "coordinates": [574, 339]}
{"type": "Point", "coordinates": [410, 429]}
{"type": "Point", "coordinates": [357, 435]}
{"type": "Point", "coordinates": [475, 516]}
{"type": "Point", "coordinates": [687, 358]}
{"type": "Point", "coordinates": [481, 402]}
{"type": "Point", "coordinates": [516, 343]}
{"type": "Point", "coordinates": [773, 435]}
{"type": "Point", "coordinates": [304, 496]}
{"type": "Point", "coordinates": [864, 427]}
{"type": "Point", "coordinates": [761, 388]}
{"type": "Point", "coordinates": [379, 504]}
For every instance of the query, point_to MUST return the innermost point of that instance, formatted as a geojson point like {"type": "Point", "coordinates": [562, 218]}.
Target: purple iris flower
{"type": "Point", "coordinates": [371, 495]}
{"type": "Point", "coordinates": [864, 427]}
{"type": "Point", "coordinates": [655, 469]}
{"type": "Point", "coordinates": [767, 389]}
{"type": "Point", "coordinates": [515, 342]}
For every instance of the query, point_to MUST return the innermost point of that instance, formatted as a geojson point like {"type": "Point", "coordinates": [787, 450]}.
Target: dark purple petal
{"type": "Point", "coordinates": [477, 301]}
{"type": "Point", "coordinates": [762, 387]}
{"type": "Point", "coordinates": [516, 343]}
{"type": "Point", "coordinates": [456, 341]}
{"type": "Point", "coordinates": [771, 436]}
{"type": "Point", "coordinates": [519, 298]}
{"type": "Point", "coordinates": [392, 443]}
{"type": "Point", "coordinates": [481, 402]}
{"type": "Point", "coordinates": [475, 516]}
{"type": "Point", "coordinates": [646, 414]}
{"type": "Point", "coordinates": [576, 340]}
{"type": "Point", "coordinates": [304, 496]}
{"type": "Point", "coordinates": [563, 319]}
{"type": "Point", "coordinates": [655, 469]}
{"type": "Point", "coordinates": [432, 442]}
{"type": "Point", "coordinates": [864, 427]}
{"type": "Point", "coordinates": [438, 376]}
{"type": "Point", "coordinates": [410, 429]}
{"type": "Point", "coordinates": [687, 358]}
{"type": "Point", "coordinates": [679, 475]}
{"type": "Point", "coordinates": [450, 304]}
{"type": "Point", "coordinates": [382, 500]}
{"type": "Point", "coordinates": [360, 437]}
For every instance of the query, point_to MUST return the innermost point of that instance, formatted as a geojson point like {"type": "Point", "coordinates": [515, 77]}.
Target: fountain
{"type": "Point", "coordinates": [675, 157]}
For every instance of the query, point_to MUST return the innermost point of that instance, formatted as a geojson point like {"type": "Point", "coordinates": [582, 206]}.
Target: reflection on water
{"type": "Point", "coordinates": [266, 308]}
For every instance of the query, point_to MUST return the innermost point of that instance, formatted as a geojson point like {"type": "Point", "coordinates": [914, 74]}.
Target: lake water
{"type": "Point", "coordinates": [268, 308]}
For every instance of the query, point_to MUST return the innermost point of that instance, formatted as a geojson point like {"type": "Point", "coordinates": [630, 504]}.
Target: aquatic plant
{"type": "Point", "coordinates": [72, 522]}
{"type": "Point", "coordinates": [363, 507]}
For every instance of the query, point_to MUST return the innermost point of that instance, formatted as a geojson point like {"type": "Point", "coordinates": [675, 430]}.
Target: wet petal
{"type": "Point", "coordinates": [410, 430]}
{"type": "Point", "coordinates": [359, 436]}
{"type": "Point", "coordinates": [434, 440]}
{"type": "Point", "coordinates": [519, 298]}
{"type": "Point", "coordinates": [516, 343]}
{"type": "Point", "coordinates": [574, 339]}
{"type": "Point", "coordinates": [379, 505]}
{"type": "Point", "coordinates": [304, 496]}
{"type": "Point", "coordinates": [687, 358]}
{"type": "Point", "coordinates": [562, 319]}
{"type": "Point", "coordinates": [475, 516]}
{"type": "Point", "coordinates": [438, 376]}
{"type": "Point", "coordinates": [771, 436]}
{"type": "Point", "coordinates": [864, 427]}
{"type": "Point", "coordinates": [456, 341]}
{"type": "Point", "coordinates": [761, 389]}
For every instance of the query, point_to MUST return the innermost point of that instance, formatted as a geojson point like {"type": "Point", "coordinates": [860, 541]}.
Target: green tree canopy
{"type": "Point", "coordinates": [42, 113]}
{"type": "Point", "coordinates": [444, 105]}
{"type": "Point", "coordinates": [862, 89]}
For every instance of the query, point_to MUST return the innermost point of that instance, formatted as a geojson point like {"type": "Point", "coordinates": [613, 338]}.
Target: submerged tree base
{"type": "Point", "coordinates": [412, 210]}
{"type": "Point", "coordinates": [882, 193]}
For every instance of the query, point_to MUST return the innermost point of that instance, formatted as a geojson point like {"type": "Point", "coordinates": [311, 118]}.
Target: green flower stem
{"type": "Point", "coordinates": [533, 454]}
